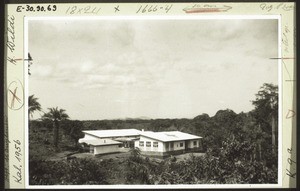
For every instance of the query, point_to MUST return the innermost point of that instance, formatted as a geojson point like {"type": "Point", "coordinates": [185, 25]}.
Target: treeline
{"type": "Point", "coordinates": [225, 124]}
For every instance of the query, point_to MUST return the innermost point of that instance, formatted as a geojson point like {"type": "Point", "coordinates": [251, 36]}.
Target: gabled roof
{"type": "Point", "coordinates": [101, 142]}
{"type": "Point", "coordinates": [113, 133]}
{"type": "Point", "coordinates": [168, 136]}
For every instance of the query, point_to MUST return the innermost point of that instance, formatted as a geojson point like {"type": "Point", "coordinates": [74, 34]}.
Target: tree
{"type": "Point", "coordinates": [33, 105]}
{"type": "Point", "coordinates": [137, 170]}
{"type": "Point", "coordinates": [56, 116]}
{"type": "Point", "coordinates": [266, 107]}
{"type": "Point", "coordinates": [74, 130]}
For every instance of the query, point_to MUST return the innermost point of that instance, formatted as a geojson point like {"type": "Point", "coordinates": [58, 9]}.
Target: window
{"type": "Point", "coordinates": [195, 143]}
{"type": "Point", "coordinates": [155, 144]}
{"type": "Point", "coordinates": [181, 144]}
{"type": "Point", "coordinates": [141, 143]}
{"type": "Point", "coordinates": [171, 145]}
{"type": "Point", "coordinates": [148, 144]}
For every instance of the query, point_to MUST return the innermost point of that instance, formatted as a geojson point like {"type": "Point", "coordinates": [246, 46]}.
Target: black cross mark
{"type": "Point", "coordinates": [12, 60]}
{"type": "Point", "coordinates": [117, 8]}
{"type": "Point", "coordinates": [15, 97]}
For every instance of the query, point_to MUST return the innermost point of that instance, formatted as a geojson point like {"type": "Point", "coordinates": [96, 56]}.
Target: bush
{"type": "Point", "coordinates": [75, 171]}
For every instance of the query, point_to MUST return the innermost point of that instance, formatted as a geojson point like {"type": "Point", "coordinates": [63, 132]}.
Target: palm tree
{"type": "Point", "coordinates": [33, 105]}
{"type": "Point", "coordinates": [56, 115]}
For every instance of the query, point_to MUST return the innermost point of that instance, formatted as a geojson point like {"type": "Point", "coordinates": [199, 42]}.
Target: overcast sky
{"type": "Point", "coordinates": [108, 69]}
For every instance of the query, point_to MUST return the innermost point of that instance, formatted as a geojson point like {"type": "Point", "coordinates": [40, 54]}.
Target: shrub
{"type": "Point", "coordinates": [75, 171]}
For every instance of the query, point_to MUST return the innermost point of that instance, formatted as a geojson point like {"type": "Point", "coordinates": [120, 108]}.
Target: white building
{"type": "Point", "coordinates": [167, 143]}
{"type": "Point", "coordinates": [150, 143]}
{"type": "Point", "coordinates": [116, 140]}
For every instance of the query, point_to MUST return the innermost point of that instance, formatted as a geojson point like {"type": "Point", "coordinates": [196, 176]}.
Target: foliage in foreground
{"type": "Point", "coordinates": [202, 170]}
{"type": "Point", "coordinates": [75, 171]}
{"type": "Point", "coordinates": [234, 165]}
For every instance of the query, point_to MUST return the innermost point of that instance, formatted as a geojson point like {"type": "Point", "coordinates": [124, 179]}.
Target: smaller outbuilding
{"type": "Point", "coordinates": [110, 140]}
{"type": "Point", "coordinates": [103, 146]}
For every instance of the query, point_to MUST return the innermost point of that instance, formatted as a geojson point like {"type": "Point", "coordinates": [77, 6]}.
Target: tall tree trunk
{"type": "Point", "coordinates": [273, 135]}
{"type": "Point", "coordinates": [259, 150]}
{"type": "Point", "coordinates": [56, 133]}
{"type": "Point", "coordinates": [259, 144]}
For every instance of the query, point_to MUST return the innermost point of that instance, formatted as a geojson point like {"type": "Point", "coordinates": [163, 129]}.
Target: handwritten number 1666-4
{"type": "Point", "coordinates": [153, 8]}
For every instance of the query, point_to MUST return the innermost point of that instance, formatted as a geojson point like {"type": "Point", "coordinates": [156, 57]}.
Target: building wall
{"type": "Point", "coordinates": [106, 149]}
{"type": "Point", "coordinates": [162, 146]}
{"type": "Point", "coordinates": [177, 145]}
{"type": "Point", "coordinates": [159, 148]}
{"type": "Point", "coordinates": [192, 145]}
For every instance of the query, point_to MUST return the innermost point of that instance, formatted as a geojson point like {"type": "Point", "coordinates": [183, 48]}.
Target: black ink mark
{"type": "Point", "coordinates": [10, 43]}
{"type": "Point", "coordinates": [6, 139]}
{"type": "Point", "coordinates": [82, 10]}
{"type": "Point", "coordinates": [285, 67]}
{"type": "Point", "coordinates": [6, 149]}
{"type": "Point", "coordinates": [154, 8]}
{"type": "Point", "coordinates": [290, 114]}
{"type": "Point", "coordinates": [18, 167]}
{"type": "Point", "coordinates": [15, 95]}
{"type": "Point", "coordinates": [18, 177]}
{"type": "Point", "coordinates": [285, 41]}
{"type": "Point", "coordinates": [18, 150]}
{"type": "Point", "coordinates": [292, 164]}
{"type": "Point", "coordinates": [117, 9]}
{"type": "Point", "coordinates": [12, 60]}
{"type": "Point", "coordinates": [289, 75]}
{"type": "Point", "coordinates": [285, 7]}
{"type": "Point", "coordinates": [291, 174]}
{"type": "Point", "coordinates": [268, 7]}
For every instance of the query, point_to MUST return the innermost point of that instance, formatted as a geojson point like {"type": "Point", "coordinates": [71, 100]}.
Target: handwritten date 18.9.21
{"type": "Point", "coordinates": [154, 8]}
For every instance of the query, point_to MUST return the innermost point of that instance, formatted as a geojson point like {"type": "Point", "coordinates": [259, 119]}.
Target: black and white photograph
{"type": "Point", "coordinates": [153, 100]}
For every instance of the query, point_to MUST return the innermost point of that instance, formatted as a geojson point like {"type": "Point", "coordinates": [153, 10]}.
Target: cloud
{"type": "Point", "coordinates": [87, 67]}
{"type": "Point", "coordinates": [188, 64]}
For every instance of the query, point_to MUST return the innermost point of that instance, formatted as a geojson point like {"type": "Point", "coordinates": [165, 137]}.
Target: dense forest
{"type": "Point", "coordinates": [239, 148]}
